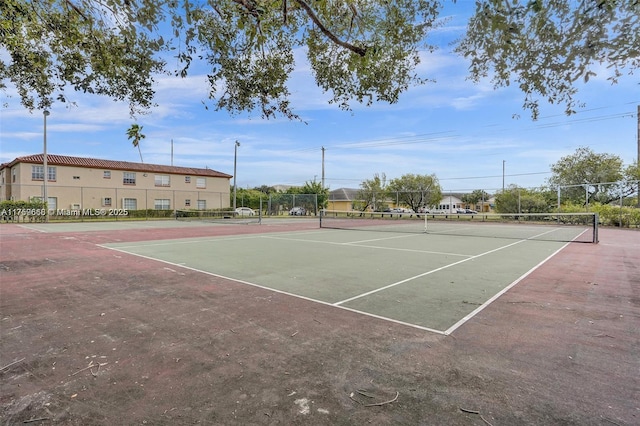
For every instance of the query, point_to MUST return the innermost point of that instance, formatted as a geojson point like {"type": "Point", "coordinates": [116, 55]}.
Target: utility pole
{"type": "Point", "coordinates": [638, 157]}
{"type": "Point", "coordinates": [323, 165]}
{"type": "Point", "coordinates": [45, 166]}
{"type": "Point", "coordinates": [235, 162]}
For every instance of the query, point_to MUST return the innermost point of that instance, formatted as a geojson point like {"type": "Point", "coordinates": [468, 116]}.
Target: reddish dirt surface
{"type": "Point", "coordinates": [91, 336]}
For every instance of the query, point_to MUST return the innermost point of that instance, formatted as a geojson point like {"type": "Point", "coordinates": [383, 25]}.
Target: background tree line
{"type": "Point", "coordinates": [579, 179]}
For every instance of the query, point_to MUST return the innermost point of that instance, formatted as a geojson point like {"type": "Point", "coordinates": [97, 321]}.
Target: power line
{"type": "Point", "coordinates": [447, 135]}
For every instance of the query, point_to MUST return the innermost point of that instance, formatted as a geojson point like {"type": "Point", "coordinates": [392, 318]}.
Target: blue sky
{"type": "Point", "coordinates": [454, 128]}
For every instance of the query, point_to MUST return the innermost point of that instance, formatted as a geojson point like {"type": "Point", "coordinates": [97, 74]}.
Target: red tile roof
{"type": "Point", "coordinates": [95, 163]}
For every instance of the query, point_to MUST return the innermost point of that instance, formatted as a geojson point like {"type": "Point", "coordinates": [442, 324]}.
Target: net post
{"type": "Point", "coordinates": [596, 219]}
{"type": "Point", "coordinates": [260, 212]}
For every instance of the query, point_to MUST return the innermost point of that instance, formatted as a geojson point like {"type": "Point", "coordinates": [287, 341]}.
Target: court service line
{"type": "Point", "coordinates": [368, 293]}
{"type": "Point", "coordinates": [357, 244]}
{"type": "Point", "coordinates": [329, 304]}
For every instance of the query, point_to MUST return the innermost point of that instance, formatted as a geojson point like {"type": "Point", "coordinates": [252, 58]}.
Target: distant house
{"type": "Point", "coordinates": [89, 183]}
{"type": "Point", "coordinates": [342, 199]}
{"type": "Point", "coordinates": [453, 201]}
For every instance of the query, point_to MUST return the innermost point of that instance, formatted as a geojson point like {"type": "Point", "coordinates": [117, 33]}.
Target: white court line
{"type": "Point", "coordinates": [337, 305]}
{"type": "Point", "coordinates": [182, 265]}
{"type": "Point", "coordinates": [357, 244]}
{"type": "Point", "coordinates": [188, 241]}
{"type": "Point", "coordinates": [34, 229]}
{"type": "Point", "coordinates": [500, 293]}
{"type": "Point", "coordinates": [433, 271]}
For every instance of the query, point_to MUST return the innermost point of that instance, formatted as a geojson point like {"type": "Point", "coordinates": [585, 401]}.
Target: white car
{"type": "Point", "coordinates": [297, 211]}
{"type": "Point", "coordinates": [245, 211]}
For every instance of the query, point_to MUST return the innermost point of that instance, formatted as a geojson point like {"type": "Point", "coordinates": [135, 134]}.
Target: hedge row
{"type": "Point", "coordinates": [609, 215]}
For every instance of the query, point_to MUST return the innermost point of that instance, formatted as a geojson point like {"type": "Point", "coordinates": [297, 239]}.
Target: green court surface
{"type": "Point", "coordinates": [429, 281]}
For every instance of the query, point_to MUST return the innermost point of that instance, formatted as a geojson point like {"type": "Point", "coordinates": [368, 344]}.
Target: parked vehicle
{"type": "Point", "coordinates": [297, 211]}
{"type": "Point", "coordinates": [402, 210]}
{"type": "Point", "coordinates": [245, 211]}
{"type": "Point", "coordinates": [469, 211]}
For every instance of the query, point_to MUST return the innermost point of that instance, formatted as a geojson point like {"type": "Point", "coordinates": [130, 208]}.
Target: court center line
{"type": "Point", "coordinates": [433, 271]}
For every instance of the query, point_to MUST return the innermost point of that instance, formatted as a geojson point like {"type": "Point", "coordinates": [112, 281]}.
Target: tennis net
{"type": "Point", "coordinates": [563, 227]}
{"type": "Point", "coordinates": [241, 216]}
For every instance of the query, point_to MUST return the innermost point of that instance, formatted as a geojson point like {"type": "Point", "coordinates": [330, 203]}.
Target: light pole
{"type": "Point", "coordinates": [45, 197]}
{"type": "Point", "coordinates": [235, 163]}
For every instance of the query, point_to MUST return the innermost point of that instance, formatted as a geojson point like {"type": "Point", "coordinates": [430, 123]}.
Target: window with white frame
{"type": "Point", "coordinates": [187, 179]}
{"type": "Point", "coordinates": [201, 183]}
{"type": "Point", "coordinates": [52, 203]}
{"type": "Point", "coordinates": [129, 203]}
{"type": "Point", "coordinates": [187, 203]}
{"type": "Point", "coordinates": [129, 178]}
{"type": "Point", "coordinates": [52, 173]}
{"type": "Point", "coordinates": [161, 204]}
{"type": "Point", "coordinates": [162, 180]}
{"type": "Point", "coordinates": [202, 204]}
{"type": "Point", "coordinates": [106, 174]}
{"type": "Point", "coordinates": [106, 201]}
{"type": "Point", "coordinates": [37, 172]}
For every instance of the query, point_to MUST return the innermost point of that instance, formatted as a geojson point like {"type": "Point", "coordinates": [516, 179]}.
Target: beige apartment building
{"type": "Point", "coordinates": [76, 184]}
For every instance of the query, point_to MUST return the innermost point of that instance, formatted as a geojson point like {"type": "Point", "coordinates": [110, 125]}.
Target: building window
{"type": "Point", "coordinates": [106, 174]}
{"type": "Point", "coordinates": [76, 178]}
{"type": "Point", "coordinates": [13, 175]}
{"type": "Point", "coordinates": [201, 183]}
{"type": "Point", "coordinates": [202, 204]}
{"type": "Point", "coordinates": [130, 204]}
{"type": "Point", "coordinates": [106, 201]}
{"type": "Point", "coordinates": [162, 180]}
{"type": "Point", "coordinates": [52, 173]}
{"type": "Point", "coordinates": [129, 178]}
{"type": "Point", "coordinates": [52, 203]}
{"type": "Point", "coordinates": [161, 204]}
{"type": "Point", "coordinates": [187, 203]}
{"type": "Point", "coordinates": [37, 172]}
{"type": "Point", "coordinates": [187, 179]}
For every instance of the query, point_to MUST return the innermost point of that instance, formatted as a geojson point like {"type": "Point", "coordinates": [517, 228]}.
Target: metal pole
{"type": "Point", "coordinates": [235, 163]}
{"type": "Point", "coordinates": [503, 162]}
{"type": "Point", "coordinates": [323, 168]}
{"type": "Point", "coordinates": [45, 166]}
{"type": "Point", "coordinates": [586, 197]}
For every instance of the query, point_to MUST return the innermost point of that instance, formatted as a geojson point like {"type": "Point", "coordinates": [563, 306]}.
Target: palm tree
{"type": "Point", "coordinates": [135, 132]}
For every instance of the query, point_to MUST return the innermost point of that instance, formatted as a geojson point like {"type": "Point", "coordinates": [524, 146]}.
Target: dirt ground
{"type": "Point", "coordinates": [90, 336]}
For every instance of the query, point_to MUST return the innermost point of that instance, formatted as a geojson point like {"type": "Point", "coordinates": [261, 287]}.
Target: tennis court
{"type": "Point", "coordinates": [432, 281]}
{"type": "Point", "coordinates": [165, 322]}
